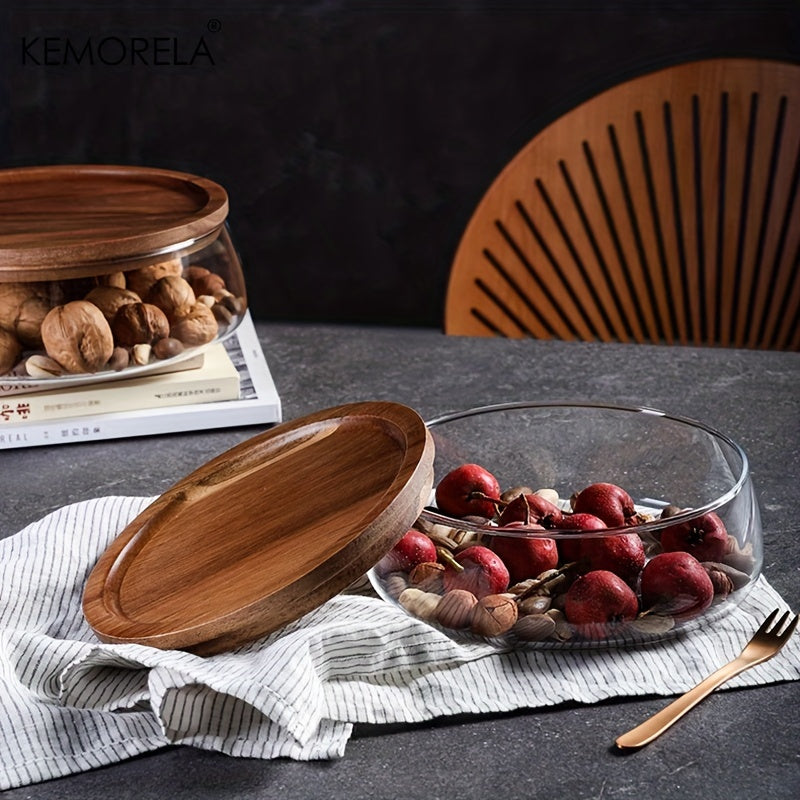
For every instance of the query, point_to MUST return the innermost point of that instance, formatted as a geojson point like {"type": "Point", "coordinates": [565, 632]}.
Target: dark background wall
{"type": "Point", "coordinates": [354, 138]}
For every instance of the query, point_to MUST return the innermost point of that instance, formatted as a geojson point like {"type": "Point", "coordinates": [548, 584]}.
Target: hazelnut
{"type": "Point", "coordinates": [139, 323]}
{"type": "Point", "coordinates": [78, 336]}
{"type": "Point", "coordinates": [203, 281]}
{"type": "Point", "coordinates": [22, 309]}
{"type": "Point", "coordinates": [493, 615]}
{"type": "Point", "coordinates": [120, 359]}
{"type": "Point", "coordinates": [140, 280]}
{"type": "Point", "coordinates": [195, 327]}
{"type": "Point", "coordinates": [172, 294]}
{"type": "Point", "coordinates": [10, 350]}
{"type": "Point", "coordinates": [109, 299]}
{"type": "Point", "coordinates": [167, 347]}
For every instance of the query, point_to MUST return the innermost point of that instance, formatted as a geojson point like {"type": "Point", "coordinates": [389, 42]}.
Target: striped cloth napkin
{"type": "Point", "coordinates": [69, 703]}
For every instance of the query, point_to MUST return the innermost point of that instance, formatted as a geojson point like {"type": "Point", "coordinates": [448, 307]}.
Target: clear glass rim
{"type": "Point", "coordinates": [434, 516]}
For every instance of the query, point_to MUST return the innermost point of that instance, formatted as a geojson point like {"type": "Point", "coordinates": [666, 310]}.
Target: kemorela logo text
{"type": "Point", "coordinates": [148, 51]}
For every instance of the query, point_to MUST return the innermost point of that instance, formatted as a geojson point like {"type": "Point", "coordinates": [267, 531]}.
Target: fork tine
{"type": "Point", "coordinates": [765, 625]}
{"type": "Point", "coordinates": [789, 628]}
{"type": "Point", "coordinates": [780, 623]}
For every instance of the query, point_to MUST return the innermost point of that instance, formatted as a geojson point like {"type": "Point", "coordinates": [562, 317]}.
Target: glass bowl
{"type": "Point", "coordinates": [687, 552]}
{"type": "Point", "coordinates": [111, 272]}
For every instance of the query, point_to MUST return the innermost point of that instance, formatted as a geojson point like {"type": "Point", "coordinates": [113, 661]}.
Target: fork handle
{"type": "Point", "coordinates": [654, 726]}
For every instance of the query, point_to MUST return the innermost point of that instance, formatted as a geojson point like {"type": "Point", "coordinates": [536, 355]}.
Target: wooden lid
{"type": "Point", "coordinates": [61, 222]}
{"type": "Point", "coordinates": [265, 532]}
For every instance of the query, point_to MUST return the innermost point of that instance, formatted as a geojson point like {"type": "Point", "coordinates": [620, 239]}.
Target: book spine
{"type": "Point", "coordinates": [40, 407]}
{"type": "Point", "coordinates": [153, 422]}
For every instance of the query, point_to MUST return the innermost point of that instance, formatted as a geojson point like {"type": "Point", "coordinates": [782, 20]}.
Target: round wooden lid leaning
{"type": "Point", "coordinates": [265, 532]}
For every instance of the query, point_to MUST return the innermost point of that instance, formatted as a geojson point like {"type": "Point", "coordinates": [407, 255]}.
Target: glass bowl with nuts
{"type": "Point", "coordinates": [577, 526]}
{"type": "Point", "coordinates": [111, 271]}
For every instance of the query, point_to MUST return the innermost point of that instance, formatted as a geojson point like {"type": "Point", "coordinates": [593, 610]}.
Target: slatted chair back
{"type": "Point", "coordinates": [662, 210]}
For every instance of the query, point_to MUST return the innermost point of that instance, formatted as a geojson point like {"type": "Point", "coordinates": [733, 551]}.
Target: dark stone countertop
{"type": "Point", "coordinates": [737, 744]}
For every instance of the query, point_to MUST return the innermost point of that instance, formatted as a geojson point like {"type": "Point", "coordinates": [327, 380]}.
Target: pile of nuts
{"type": "Point", "coordinates": [626, 586]}
{"type": "Point", "coordinates": [113, 321]}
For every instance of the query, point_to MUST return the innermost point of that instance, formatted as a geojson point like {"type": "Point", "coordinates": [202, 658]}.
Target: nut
{"type": "Point", "coordinates": [172, 294]}
{"type": "Point", "coordinates": [738, 578]}
{"type": "Point", "coordinates": [203, 281]}
{"type": "Point", "coordinates": [167, 347]}
{"type": "Point", "coordinates": [109, 299]}
{"type": "Point", "coordinates": [139, 323]}
{"type": "Point", "coordinates": [493, 615]}
{"type": "Point", "coordinates": [514, 492]}
{"type": "Point", "coordinates": [78, 336]}
{"type": "Point", "coordinates": [427, 576]}
{"type": "Point", "coordinates": [22, 310]}
{"type": "Point", "coordinates": [140, 354]}
{"type": "Point", "coordinates": [10, 351]}
{"type": "Point", "coordinates": [395, 584]}
{"type": "Point", "coordinates": [39, 366]}
{"type": "Point", "coordinates": [456, 608]}
{"type": "Point", "coordinates": [534, 627]}
{"type": "Point", "coordinates": [652, 624]}
{"type": "Point", "coordinates": [420, 604]}
{"type": "Point", "coordinates": [114, 279]}
{"type": "Point", "coordinates": [536, 604]}
{"type": "Point", "coordinates": [197, 326]}
{"type": "Point", "coordinates": [720, 580]}
{"type": "Point", "coordinates": [140, 280]}
{"type": "Point", "coordinates": [119, 359]}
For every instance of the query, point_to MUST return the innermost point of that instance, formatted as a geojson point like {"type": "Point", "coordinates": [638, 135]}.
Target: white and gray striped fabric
{"type": "Point", "coordinates": [69, 703]}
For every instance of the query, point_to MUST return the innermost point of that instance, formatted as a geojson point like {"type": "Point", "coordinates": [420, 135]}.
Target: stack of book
{"type": "Point", "coordinates": [229, 385]}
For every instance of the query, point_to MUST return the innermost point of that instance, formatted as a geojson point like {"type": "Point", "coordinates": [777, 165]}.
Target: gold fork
{"type": "Point", "coordinates": [766, 642]}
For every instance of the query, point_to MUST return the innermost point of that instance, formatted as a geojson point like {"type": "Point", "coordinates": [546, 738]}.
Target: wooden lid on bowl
{"type": "Point", "coordinates": [60, 222]}
{"type": "Point", "coordinates": [265, 532]}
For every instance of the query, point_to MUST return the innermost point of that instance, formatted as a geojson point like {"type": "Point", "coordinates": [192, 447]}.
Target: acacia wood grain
{"type": "Point", "coordinates": [69, 221]}
{"type": "Point", "coordinates": [265, 532]}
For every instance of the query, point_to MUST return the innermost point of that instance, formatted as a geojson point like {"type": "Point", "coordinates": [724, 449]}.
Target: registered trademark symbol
{"type": "Point", "coordinates": [214, 25]}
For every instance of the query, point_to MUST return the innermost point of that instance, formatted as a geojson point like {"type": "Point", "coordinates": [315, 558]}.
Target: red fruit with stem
{"type": "Point", "coordinates": [621, 553]}
{"type": "Point", "coordinates": [570, 548]}
{"type": "Point", "coordinates": [677, 584]}
{"type": "Point", "coordinates": [600, 602]}
{"type": "Point", "coordinates": [531, 509]}
{"type": "Point", "coordinates": [706, 537]}
{"type": "Point", "coordinates": [476, 569]}
{"type": "Point", "coordinates": [525, 557]}
{"type": "Point", "coordinates": [415, 547]}
{"type": "Point", "coordinates": [609, 502]}
{"type": "Point", "coordinates": [468, 490]}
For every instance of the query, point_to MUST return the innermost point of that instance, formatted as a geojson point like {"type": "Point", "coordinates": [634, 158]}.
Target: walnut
{"type": "Point", "coordinates": [78, 336]}
{"type": "Point", "coordinates": [109, 299]}
{"type": "Point", "coordinates": [197, 326]}
{"type": "Point", "coordinates": [114, 279]}
{"type": "Point", "coordinates": [139, 323]}
{"type": "Point", "coordinates": [203, 281]}
{"type": "Point", "coordinates": [22, 309]}
{"type": "Point", "coordinates": [172, 294]}
{"type": "Point", "coordinates": [140, 280]}
{"type": "Point", "coordinates": [10, 351]}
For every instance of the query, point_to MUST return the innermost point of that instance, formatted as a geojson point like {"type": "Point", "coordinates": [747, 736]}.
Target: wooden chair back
{"type": "Point", "coordinates": [662, 210]}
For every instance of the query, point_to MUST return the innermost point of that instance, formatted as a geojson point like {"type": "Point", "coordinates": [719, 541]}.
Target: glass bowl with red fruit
{"type": "Point", "coordinates": [577, 525]}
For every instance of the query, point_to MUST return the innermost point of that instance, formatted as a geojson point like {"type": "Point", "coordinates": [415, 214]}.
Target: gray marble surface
{"type": "Point", "coordinates": [738, 744]}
